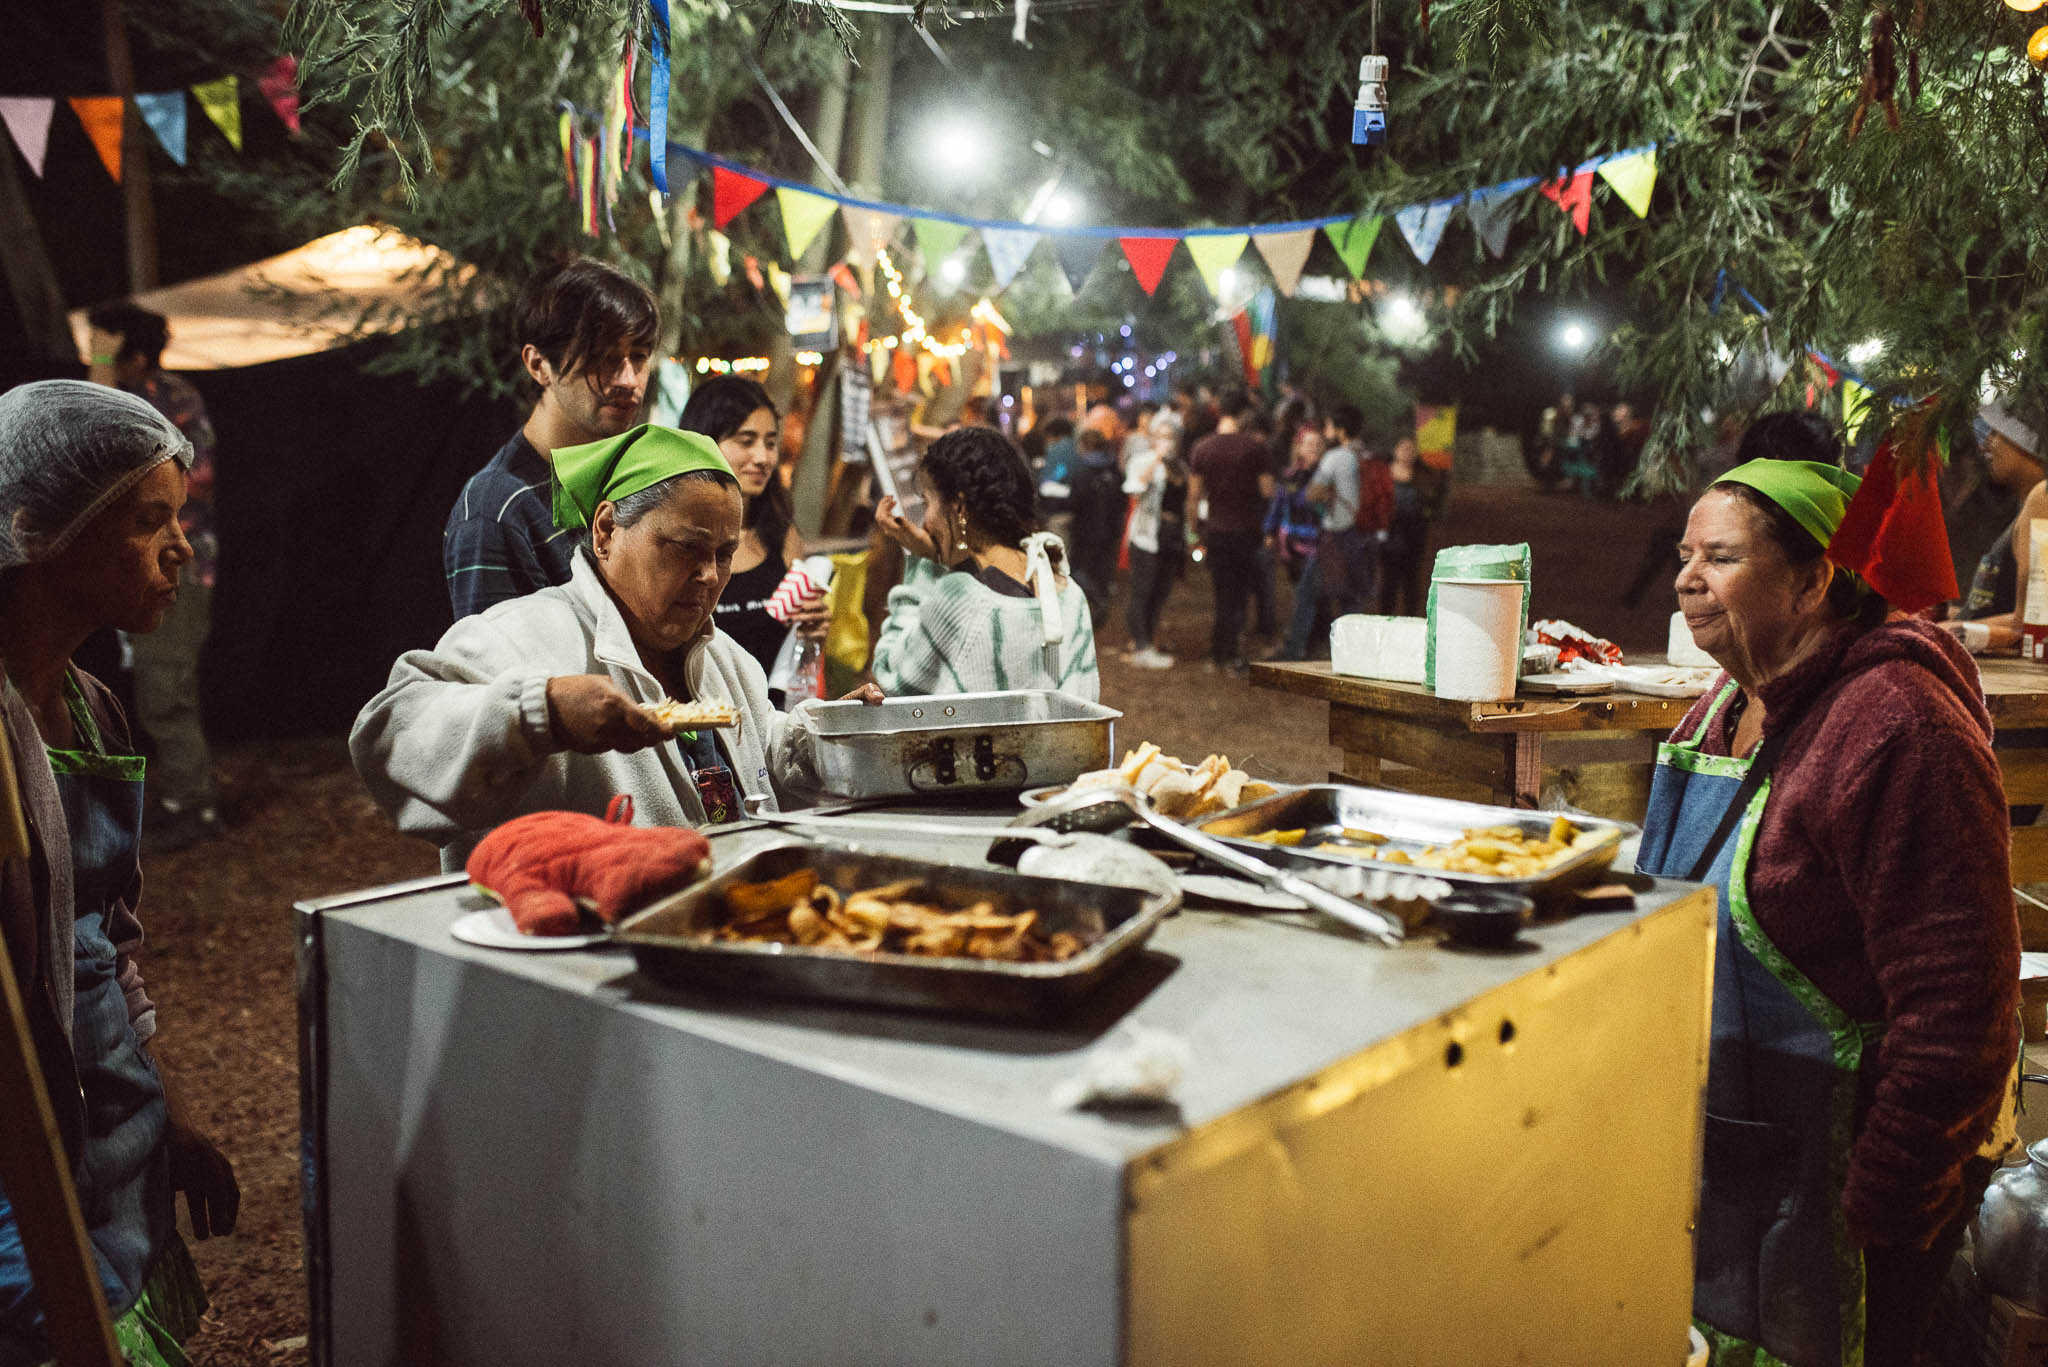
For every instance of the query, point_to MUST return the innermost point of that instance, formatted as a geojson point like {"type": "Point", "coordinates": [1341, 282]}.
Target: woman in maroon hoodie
{"type": "Point", "coordinates": [1837, 785]}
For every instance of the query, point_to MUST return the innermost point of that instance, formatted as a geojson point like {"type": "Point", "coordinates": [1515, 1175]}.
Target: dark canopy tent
{"type": "Point", "coordinates": [332, 487]}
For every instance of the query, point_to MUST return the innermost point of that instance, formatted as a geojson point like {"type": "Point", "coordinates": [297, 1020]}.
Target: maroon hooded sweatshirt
{"type": "Point", "coordinates": [1882, 871]}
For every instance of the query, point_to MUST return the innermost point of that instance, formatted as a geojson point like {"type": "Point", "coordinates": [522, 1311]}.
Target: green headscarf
{"type": "Point", "coordinates": [617, 467]}
{"type": "Point", "coordinates": [1816, 495]}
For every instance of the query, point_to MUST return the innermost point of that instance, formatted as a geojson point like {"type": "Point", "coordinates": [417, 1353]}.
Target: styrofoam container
{"type": "Point", "coordinates": [1379, 647]}
{"type": "Point", "coordinates": [1679, 648]}
{"type": "Point", "coordinates": [1478, 638]}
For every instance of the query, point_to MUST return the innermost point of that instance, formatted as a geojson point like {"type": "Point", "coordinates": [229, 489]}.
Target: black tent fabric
{"type": "Point", "coordinates": [332, 486]}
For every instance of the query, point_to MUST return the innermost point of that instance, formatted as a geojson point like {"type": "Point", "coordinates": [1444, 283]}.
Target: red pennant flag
{"type": "Point", "coordinates": [842, 276]}
{"type": "Point", "coordinates": [1241, 324]}
{"type": "Point", "coordinates": [1148, 257]}
{"type": "Point", "coordinates": [102, 116]}
{"type": "Point", "coordinates": [280, 85]}
{"type": "Point", "coordinates": [1894, 535]}
{"type": "Point", "coordinates": [1833, 375]}
{"type": "Point", "coordinates": [1574, 196]}
{"type": "Point", "coordinates": [730, 193]}
{"type": "Point", "coordinates": [905, 368]}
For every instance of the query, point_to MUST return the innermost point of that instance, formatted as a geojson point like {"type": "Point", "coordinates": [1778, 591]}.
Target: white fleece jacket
{"type": "Point", "coordinates": [458, 742]}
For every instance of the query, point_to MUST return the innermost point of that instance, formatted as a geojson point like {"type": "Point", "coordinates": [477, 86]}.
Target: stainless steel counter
{"type": "Point", "coordinates": [1413, 1155]}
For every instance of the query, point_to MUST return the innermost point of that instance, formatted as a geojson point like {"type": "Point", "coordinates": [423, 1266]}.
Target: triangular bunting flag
{"type": "Point", "coordinates": [221, 101]}
{"type": "Point", "coordinates": [865, 229]}
{"type": "Point", "coordinates": [1286, 254]}
{"type": "Point", "coordinates": [1493, 212]}
{"type": "Point", "coordinates": [280, 85]}
{"type": "Point", "coordinates": [1354, 240]}
{"type": "Point", "coordinates": [1077, 255]}
{"type": "Point", "coordinates": [719, 259]}
{"type": "Point", "coordinates": [778, 278]}
{"type": "Point", "coordinates": [1008, 250]}
{"type": "Point", "coordinates": [1214, 253]}
{"type": "Point", "coordinates": [730, 193]}
{"type": "Point", "coordinates": [937, 239]}
{"type": "Point", "coordinates": [803, 213]}
{"type": "Point", "coordinates": [28, 123]}
{"type": "Point", "coordinates": [102, 116]}
{"type": "Point", "coordinates": [1148, 257]}
{"type": "Point", "coordinates": [1422, 226]}
{"type": "Point", "coordinates": [1633, 177]}
{"type": "Point", "coordinates": [165, 115]}
{"type": "Point", "coordinates": [1574, 196]}
{"type": "Point", "coordinates": [1894, 535]}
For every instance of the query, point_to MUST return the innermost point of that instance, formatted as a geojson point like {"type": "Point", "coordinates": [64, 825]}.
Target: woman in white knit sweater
{"type": "Point", "coordinates": [985, 602]}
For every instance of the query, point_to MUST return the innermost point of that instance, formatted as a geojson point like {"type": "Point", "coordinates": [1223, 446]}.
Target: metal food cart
{"type": "Point", "coordinates": [1417, 1155]}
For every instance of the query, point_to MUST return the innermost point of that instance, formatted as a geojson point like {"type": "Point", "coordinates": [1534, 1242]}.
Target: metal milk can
{"type": "Point", "coordinates": [2011, 1231]}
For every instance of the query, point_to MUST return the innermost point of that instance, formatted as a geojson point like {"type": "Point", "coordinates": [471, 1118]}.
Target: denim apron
{"type": "Point", "coordinates": [122, 1174]}
{"type": "Point", "coordinates": [1775, 1277]}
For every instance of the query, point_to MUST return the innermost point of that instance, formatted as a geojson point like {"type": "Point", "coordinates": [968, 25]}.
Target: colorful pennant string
{"type": "Point", "coordinates": [1422, 226]}
{"type": "Point", "coordinates": [1353, 239]}
{"type": "Point", "coordinates": [1633, 178]}
{"type": "Point", "coordinates": [1574, 195]}
{"type": "Point", "coordinates": [937, 239]}
{"type": "Point", "coordinates": [731, 192]}
{"type": "Point", "coordinates": [803, 214]}
{"type": "Point", "coordinates": [1214, 253]}
{"type": "Point", "coordinates": [1286, 255]}
{"type": "Point", "coordinates": [165, 114]}
{"type": "Point", "coordinates": [221, 101]}
{"type": "Point", "coordinates": [103, 117]}
{"type": "Point", "coordinates": [1078, 257]}
{"type": "Point", "coordinates": [1008, 250]}
{"type": "Point", "coordinates": [279, 84]}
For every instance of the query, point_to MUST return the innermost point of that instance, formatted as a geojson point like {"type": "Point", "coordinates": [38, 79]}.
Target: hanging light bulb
{"type": "Point", "coordinates": [2037, 48]}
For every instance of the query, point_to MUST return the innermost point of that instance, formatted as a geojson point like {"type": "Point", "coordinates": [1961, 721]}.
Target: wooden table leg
{"type": "Point", "coordinates": [1525, 763]}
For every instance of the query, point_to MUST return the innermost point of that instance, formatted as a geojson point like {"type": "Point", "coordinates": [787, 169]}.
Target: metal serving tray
{"type": "Point", "coordinates": [960, 742]}
{"type": "Point", "coordinates": [1409, 822]}
{"type": "Point", "coordinates": [670, 939]}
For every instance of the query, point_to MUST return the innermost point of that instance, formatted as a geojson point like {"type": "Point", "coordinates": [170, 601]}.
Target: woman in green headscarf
{"type": "Point", "coordinates": [1837, 786]}
{"type": "Point", "coordinates": [544, 702]}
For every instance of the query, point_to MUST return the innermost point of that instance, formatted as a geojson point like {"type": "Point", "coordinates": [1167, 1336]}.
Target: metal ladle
{"type": "Point", "coordinates": [1111, 806]}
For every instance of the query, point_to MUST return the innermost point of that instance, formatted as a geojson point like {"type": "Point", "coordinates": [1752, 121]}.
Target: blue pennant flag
{"type": "Point", "coordinates": [657, 97]}
{"type": "Point", "coordinates": [1423, 226]}
{"type": "Point", "coordinates": [1008, 249]}
{"type": "Point", "coordinates": [165, 115]}
{"type": "Point", "coordinates": [1492, 212]}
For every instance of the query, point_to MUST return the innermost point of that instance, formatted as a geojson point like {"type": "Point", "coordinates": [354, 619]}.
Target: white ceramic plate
{"type": "Point", "coordinates": [1567, 685]}
{"type": "Point", "coordinates": [492, 928]}
{"type": "Point", "coordinates": [1665, 682]}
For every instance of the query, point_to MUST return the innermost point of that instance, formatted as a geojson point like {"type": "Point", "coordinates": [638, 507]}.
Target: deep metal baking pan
{"type": "Point", "coordinates": [991, 742]}
{"type": "Point", "coordinates": [1409, 822]}
{"type": "Point", "coordinates": [670, 939]}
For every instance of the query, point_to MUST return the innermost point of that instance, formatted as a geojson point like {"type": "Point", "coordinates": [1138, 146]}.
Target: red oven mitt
{"type": "Point", "coordinates": [543, 865]}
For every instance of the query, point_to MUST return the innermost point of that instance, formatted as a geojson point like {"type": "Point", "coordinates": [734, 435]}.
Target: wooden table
{"type": "Point", "coordinates": [1601, 747]}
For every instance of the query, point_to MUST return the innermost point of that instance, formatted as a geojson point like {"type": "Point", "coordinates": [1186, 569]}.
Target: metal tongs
{"type": "Point", "coordinates": [1106, 807]}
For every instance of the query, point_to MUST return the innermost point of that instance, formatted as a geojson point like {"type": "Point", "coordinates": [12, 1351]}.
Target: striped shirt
{"type": "Point", "coordinates": [501, 541]}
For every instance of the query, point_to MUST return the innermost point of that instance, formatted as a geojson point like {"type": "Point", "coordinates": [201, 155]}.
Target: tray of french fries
{"type": "Point", "coordinates": [811, 919]}
{"type": "Point", "coordinates": [1538, 854]}
{"type": "Point", "coordinates": [1175, 789]}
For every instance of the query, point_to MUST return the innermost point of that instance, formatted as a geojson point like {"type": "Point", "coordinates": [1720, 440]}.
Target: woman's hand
{"type": "Point", "coordinates": [591, 715]}
{"type": "Point", "coordinates": [812, 617]}
{"type": "Point", "coordinates": [213, 1198]}
{"type": "Point", "coordinates": [911, 537]}
{"type": "Point", "coordinates": [869, 693]}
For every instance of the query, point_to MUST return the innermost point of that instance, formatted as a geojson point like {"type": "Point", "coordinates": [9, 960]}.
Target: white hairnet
{"type": "Point", "coordinates": [68, 449]}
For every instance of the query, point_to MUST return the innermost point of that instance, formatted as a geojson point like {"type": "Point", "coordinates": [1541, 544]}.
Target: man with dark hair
{"type": "Point", "coordinates": [1354, 491]}
{"type": "Point", "coordinates": [586, 338]}
{"type": "Point", "coordinates": [1229, 483]}
{"type": "Point", "coordinates": [1789, 434]}
{"type": "Point", "coordinates": [127, 353]}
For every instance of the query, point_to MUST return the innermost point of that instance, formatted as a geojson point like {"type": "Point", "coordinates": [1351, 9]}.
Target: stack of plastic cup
{"type": "Point", "coordinates": [1478, 638]}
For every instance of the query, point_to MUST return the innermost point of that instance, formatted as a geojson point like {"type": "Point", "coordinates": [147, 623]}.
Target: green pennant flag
{"type": "Point", "coordinates": [1354, 240]}
{"type": "Point", "coordinates": [803, 213]}
{"type": "Point", "coordinates": [1215, 253]}
{"type": "Point", "coordinates": [1633, 177]}
{"type": "Point", "coordinates": [937, 239]}
{"type": "Point", "coordinates": [222, 102]}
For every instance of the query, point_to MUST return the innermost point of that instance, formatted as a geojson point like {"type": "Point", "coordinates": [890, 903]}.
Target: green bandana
{"type": "Point", "coordinates": [1816, 495]}
{"type": "Point", "coordinates": [612, 469]}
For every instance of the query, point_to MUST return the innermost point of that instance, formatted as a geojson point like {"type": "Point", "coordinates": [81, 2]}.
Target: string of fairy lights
{"type": "Point", "coordinates": [916, 331]}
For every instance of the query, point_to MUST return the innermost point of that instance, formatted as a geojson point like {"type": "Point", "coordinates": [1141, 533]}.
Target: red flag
{"type": "Point", "coordinates": [1574, 196]}
{"type": "Point", "coordinates": [842, 275]}
{"type": "Point", "coordinates": [1833, 375]}
{"type": "Point", "coordinates": [1894, 535]}
{"type": "Point", "coordinates": [280, 85]}
{"type": "Point", "coordinates": [1241, 324]}
{"type": "Point", "coordinates": [905, 368]}
{"type": "Point", "coordinates": [1148, 257]}
{"type": "Point", "coordinates": [730, 193]}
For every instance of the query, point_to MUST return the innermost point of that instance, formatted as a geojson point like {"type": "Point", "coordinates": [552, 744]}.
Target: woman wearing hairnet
{"type": "Point", "coordinates": [91, 480]}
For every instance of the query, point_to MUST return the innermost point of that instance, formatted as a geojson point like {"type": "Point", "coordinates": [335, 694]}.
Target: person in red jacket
{"type": "Point", "coordinates": [1837, 786]}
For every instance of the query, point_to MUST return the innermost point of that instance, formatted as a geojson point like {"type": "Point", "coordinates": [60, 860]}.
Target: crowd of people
{"type": "Point", "coordinates": [1256, 498]}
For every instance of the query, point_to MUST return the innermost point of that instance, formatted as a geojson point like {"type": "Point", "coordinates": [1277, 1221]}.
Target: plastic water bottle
{"type": "Point", "coordinates": [807, 679]}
